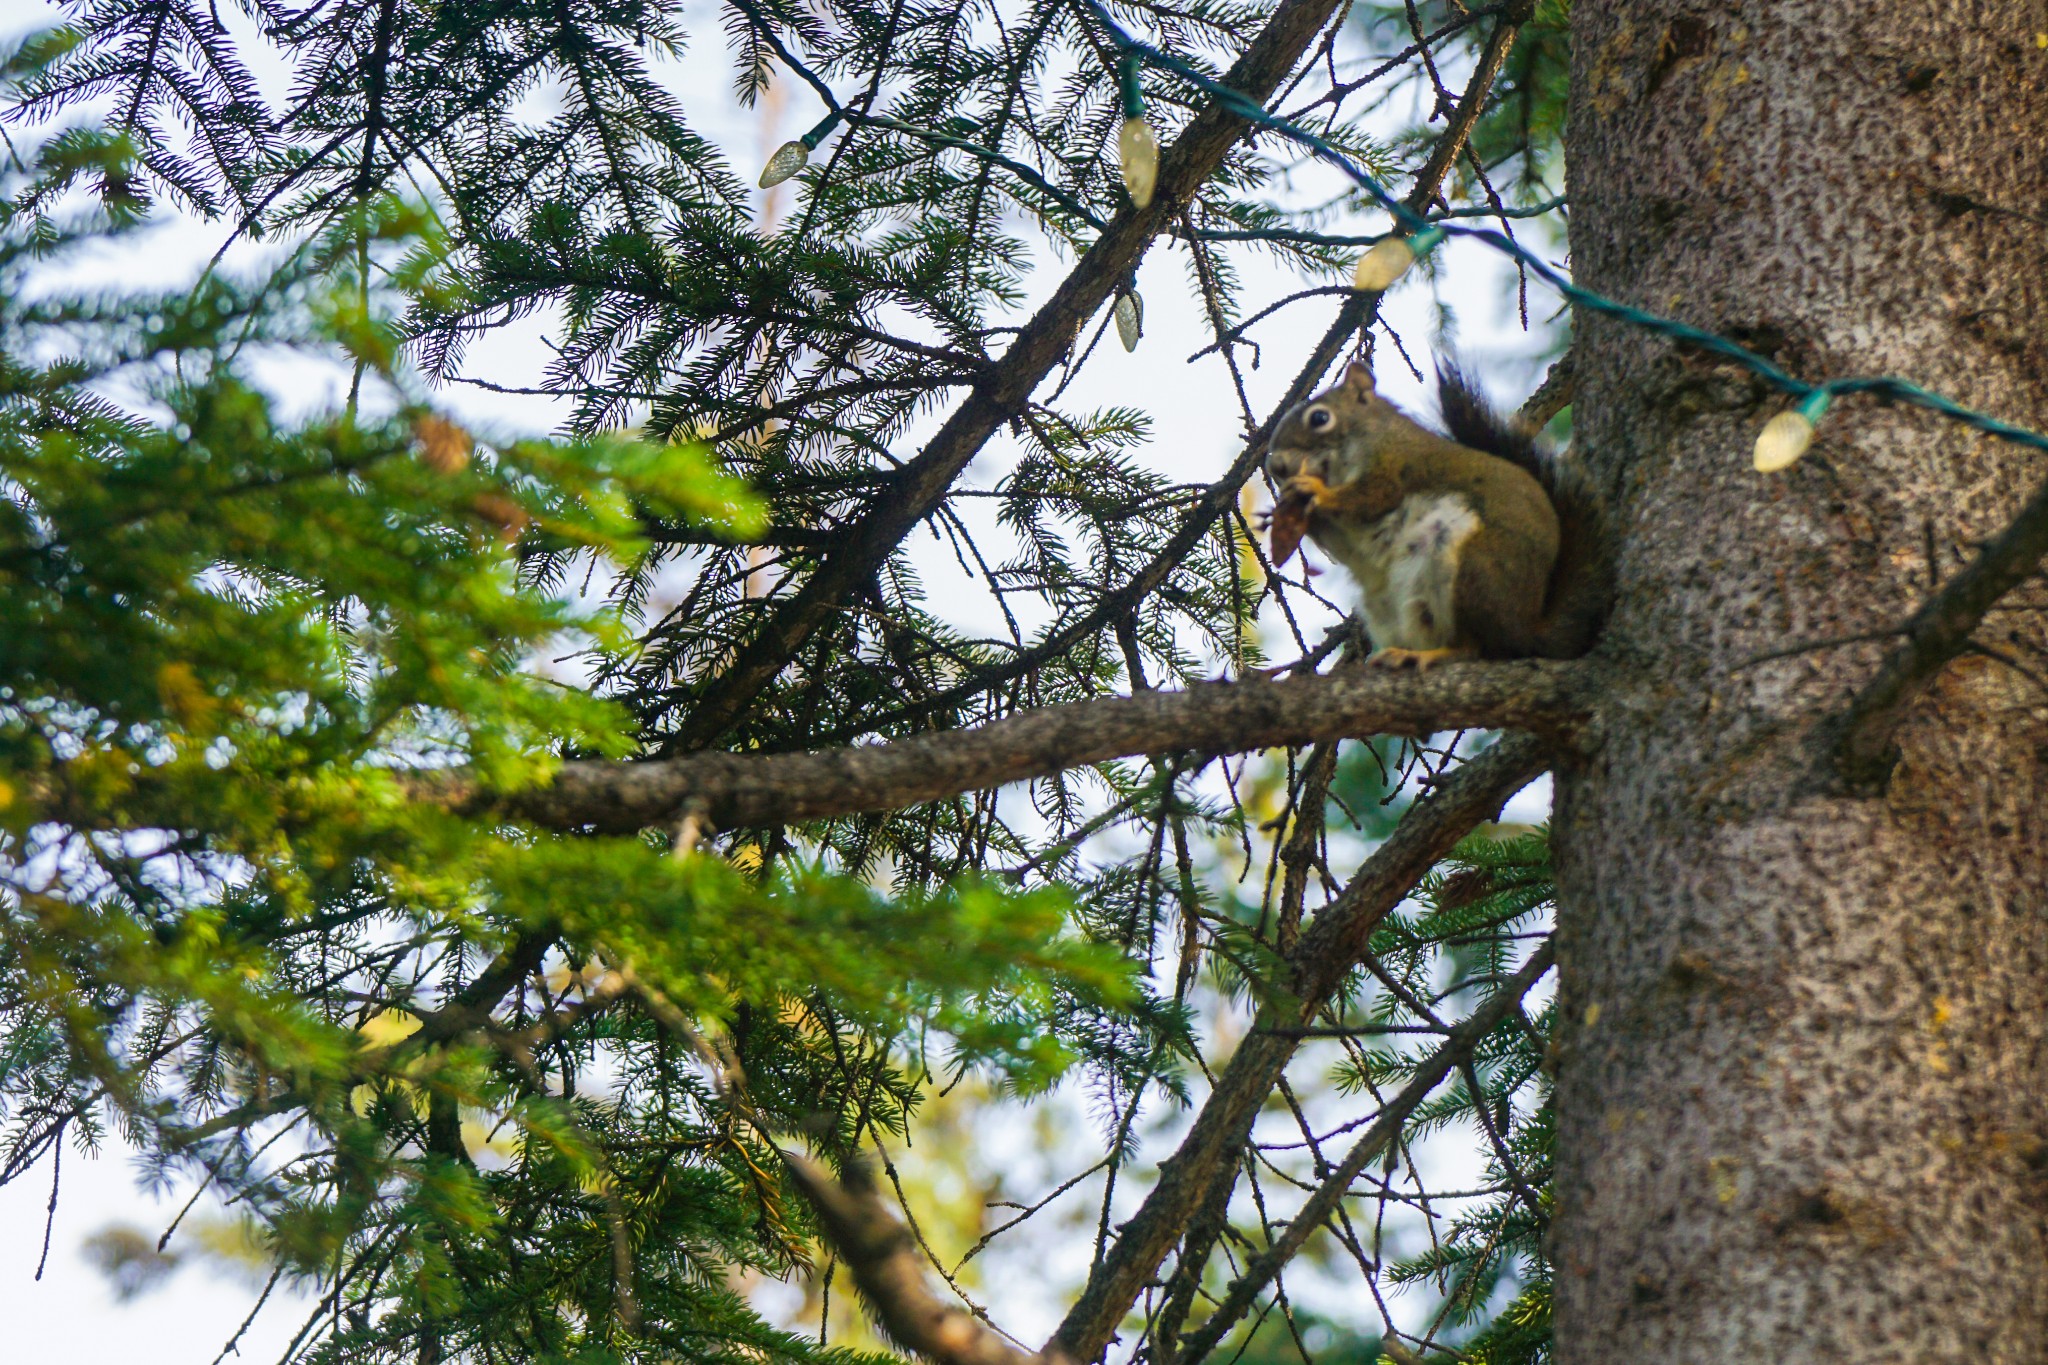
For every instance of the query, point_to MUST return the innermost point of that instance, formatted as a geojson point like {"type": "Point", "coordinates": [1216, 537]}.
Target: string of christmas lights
{"type": "Point", "coordinates": [1784, 438]}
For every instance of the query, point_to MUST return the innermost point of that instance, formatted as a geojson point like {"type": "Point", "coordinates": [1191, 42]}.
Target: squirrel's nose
{"type": "Point", "coordinates": [1282, 464]}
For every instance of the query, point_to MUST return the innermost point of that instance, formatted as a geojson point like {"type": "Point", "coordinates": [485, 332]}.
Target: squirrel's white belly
{"type": "Point", "coordinates": [1406, 567]}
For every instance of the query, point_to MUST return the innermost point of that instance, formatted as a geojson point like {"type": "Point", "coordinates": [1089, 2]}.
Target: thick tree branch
{"type": "Point", "coordinates": [731, 790]}
{"type": "Point", "coordinates": [882, 1256]}
{"type": "Point", "coordinates": [1002, 391]}
{"type": "Point", "coordinates": [1327, 953]}
{"type": "Point", "coordinates": [1937, 633]}
{"type": "Point", "coordinates": [1455, 1051]}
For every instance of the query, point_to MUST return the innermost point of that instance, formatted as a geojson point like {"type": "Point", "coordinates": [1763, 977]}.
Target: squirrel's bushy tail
{"type": "Point", "coordinates": [1581, 587]}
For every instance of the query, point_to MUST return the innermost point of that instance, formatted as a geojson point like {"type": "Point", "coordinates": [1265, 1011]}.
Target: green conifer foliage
{"type": "Point", "coordinates": [230, 636]}
{"type": "Point", "coordinates": [498, 1089]}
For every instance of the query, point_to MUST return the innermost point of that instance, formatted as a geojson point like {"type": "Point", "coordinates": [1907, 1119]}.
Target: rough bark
{"type": "Point", "coordinates": [1805, 1053]}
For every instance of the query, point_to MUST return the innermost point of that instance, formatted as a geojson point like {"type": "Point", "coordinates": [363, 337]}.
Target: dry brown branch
{"type": "Point", "coordinates": [1456, 1050]}
{"type": "Point", "coordinates": [1937, 633]}
{"type": "Point", "coordinates": [1444, 154]}
{"type": "Point", "coordinates": [1560, 385]}
{"type": "Point", "coordinates": [882, 1256]}
{"type": "Point", "coordinates": [733, 790]}
{"type": "Point", "coordinates": [1328, 950]}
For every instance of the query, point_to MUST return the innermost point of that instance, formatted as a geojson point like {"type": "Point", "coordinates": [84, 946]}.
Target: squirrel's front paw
{"type": "Point", "coordinates": [1305, 489]}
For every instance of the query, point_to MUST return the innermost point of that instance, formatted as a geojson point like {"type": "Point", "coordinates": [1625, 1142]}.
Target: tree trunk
{"type": "Point", "coordinates": [1803, 1071]}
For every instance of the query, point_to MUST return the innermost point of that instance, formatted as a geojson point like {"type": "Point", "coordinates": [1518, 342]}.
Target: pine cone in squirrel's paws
{"type": "Point", "coordinates": [1289, 521]}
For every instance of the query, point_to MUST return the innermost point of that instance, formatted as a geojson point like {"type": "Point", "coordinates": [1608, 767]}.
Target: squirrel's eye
{"type": "Point", "coordinates": [1318, 418]}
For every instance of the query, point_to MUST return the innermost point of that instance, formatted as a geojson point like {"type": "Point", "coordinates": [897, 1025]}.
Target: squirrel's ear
{"type": "Point", "coordinates": [1358, 379]}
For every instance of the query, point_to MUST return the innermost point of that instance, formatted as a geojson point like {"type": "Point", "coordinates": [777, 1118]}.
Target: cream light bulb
{"type": "Point", "coordinates": [1130, 319]}
{"type": "Point", "coordinates": [1786, 437]}
{"type": "Point", "coordinates": [794, 155]}
{"type": "Point", "coordinates": [791, 157]}
{"type": "Point", "coordinates": [1138, 150]}
{"type": "Point", "coordinates": [1390, 259]}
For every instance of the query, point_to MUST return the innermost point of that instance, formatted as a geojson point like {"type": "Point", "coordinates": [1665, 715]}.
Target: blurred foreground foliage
{"type": "Point", "coordinates": [401, 1040]}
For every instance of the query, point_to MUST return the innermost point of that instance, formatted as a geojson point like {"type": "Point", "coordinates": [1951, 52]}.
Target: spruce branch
{"type": "Point", "coordinates": [1454, 1052]}
{"type": "Point", "coordinates": [1357, 312]}
{"type": "Point", "coordinates": [732, 790]}
{"type": "Point", "coordinates": [880, 1251]}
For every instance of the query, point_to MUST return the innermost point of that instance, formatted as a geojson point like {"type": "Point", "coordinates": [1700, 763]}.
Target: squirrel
{"type": "Point", "coordinates": [1472, 545]}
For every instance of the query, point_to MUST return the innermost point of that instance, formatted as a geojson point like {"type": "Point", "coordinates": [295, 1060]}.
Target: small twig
{"type": "Point", "coordinates": [50, 1217]}
{"type": "Point", "coordinates": [233, 1346]}
{"type": "Point", "coordinates": [1938, 632]}
{"type": "Point", "coordinates": [1026, 1211]}
{"type": "Point", "coordinates": [1500, 1145]}
{"type": "Point", "coordinates": [1812, 646]}
{"type": "Point", "coordinates": [1237, 333]}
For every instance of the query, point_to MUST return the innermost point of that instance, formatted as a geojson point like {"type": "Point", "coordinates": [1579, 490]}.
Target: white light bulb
{"type": "Point", "coordinates": [1783, 440]}
{"type": "Point", "coordinates": [789, 158]}
{"type": "Point", "coordinates": [1380, 267]}
{"type": "Point", "coordinates": [1130, 319]}
{"type": "Point", "coordinates": [1785, 437]}
{"type": "Point", "coordinates": [1139, 151]}
{"type": "Point", "coordinates": [1390, 258]}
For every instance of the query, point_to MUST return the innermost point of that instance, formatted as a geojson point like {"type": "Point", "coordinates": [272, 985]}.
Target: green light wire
{"type": "Point", "coordinates": [1249, 109]}
{"type": "Point", "coordinates": [1128, 86]}
{"type": "Point", "coordinates": [823, 130]}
